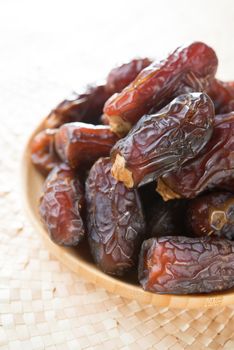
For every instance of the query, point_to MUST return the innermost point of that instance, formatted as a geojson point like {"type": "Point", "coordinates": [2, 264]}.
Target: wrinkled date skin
{"type": "Point", "coordinates": [184, 265]}
{"type": "Point", "coordinates": [222, 94]}
{"type": "Point", "coordinates": [187, 69]}
{"type": "Point", "coordinates": [167, 218]}
{"type": "Point", "coordinates": [43, 153]}
{"type": "Point", "coordinates": [86, 107]}
{"type": "Point", "coordinates": [213, 168]}
{"type": "Point", "coordinates": [212, 214]}
{"type": "Point", "coordinates": [164, 141]}
{"type": "Point", "coordinates": [123, 75]}
{"type": "Point", "coordinates": [82, 144]}
{"type": "Point", "coordinates": [115, 220]}
{"type": "Point", "coordinates": [62, 206]}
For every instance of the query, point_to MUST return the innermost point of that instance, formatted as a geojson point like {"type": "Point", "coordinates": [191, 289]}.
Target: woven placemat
{"type": "Point", "coordinates": [42, 304]}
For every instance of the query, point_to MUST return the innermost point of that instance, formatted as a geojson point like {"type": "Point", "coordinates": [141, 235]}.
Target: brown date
{"type": "Point", "coordinates": [43, 153]}
{"type": "Point", "coordinates": [62, 206]}
{"type": "Point", "coordinates": [164, 141]}
{"type": "Point", "coordinates": [86, 107]}
{"type": "Point", "coordinates": [213, 168]}
{"type": "Point", "coordinates": [82, 144]}
{"type": "Point", "coordinates": [187, 69]}
{"type": "Point", "coordinates": [123, 75]}
{"type": "Point", "coordinates": [222, 94]}
{"type": "Point", "coordinates": [212, 214]}
{"type": "Point", "coordinates": [167, 218]}
{"type": "Point", "coordinates": [115, 220]}
{"type": "Point", "coordinates": [184, 265]}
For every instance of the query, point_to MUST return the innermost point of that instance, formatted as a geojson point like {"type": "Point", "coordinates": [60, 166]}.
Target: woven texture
{"type": "Point", "coordinates": [42, 304]}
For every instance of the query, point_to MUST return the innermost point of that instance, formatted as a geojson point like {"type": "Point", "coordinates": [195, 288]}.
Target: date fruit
{"type": "Point", "coordinates": [82, 144]}
{"type": "Point", "coordinates": [222, 94]}
{"type": "Point", "coordinates": [187, 69]}
{"type": "Point", "coordinates": [62, 206]}
{"type": "Point", "coordinates": [86, 107]}
{"type": "Point", "coordinates": [164, 141]}
{"type": "Point", "coordinates": [115, 220]}
{"type": "Point", "coordinates": [123, 75]}
{"type": "Point", "coordinates": [212, 169]}
{"type": "Point", "coordinates": [212, 215]}
{"type": "Point", "coordinates": [184, 265]}
{"type": "Point", "coordinates": [43, 153]}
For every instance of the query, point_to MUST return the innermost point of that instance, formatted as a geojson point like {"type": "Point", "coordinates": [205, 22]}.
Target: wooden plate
{"type": "Point", "coordinates": [80, 261]}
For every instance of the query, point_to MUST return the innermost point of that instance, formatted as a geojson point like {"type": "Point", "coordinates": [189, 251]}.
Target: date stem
{"type": "Point", "coordinates": [165, 191]}
{"type": "Point", "coordinates": [121, 173]}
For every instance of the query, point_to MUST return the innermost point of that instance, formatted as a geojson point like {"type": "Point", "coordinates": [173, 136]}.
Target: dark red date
{"type": "Point", "coordinates": [82, 144]}
{"type": "Point", "coordinates": [62, 206]}
{"type": "Point", "coordinates": [86, 107]}
{"type": "Point", "coordinates": [123, 75]}
{"type": "Point", "coordinates": [187, 69]}
{"type": "Point", "coordinates": [43, 153]}
{"type": "Point", "coordinates": [212, 214]}
{"type": "Point", "coordinates": [223, 96]}
{"type": "Point", "coordinates": [115, 220]}
{"type": "Point", "coordinates": [183, 265]}
{"type": "Point", "coordinates": [212, 169]}
{"type": "Point", "coordinates": [164, 141]}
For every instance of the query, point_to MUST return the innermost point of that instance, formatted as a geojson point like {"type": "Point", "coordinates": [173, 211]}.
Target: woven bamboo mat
{"type": "Point", "coordinates": [42, 304]}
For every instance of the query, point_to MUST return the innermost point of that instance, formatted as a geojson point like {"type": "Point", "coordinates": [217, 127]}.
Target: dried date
{"type": "Point", "coordinates": [183, 265]}
{"type": "Point", "coordinates": [222, 93]}
{"type": "Point", "coordinates": [86, 107]}
{"type": "Point", "coordinates": [189, 68]}
{"type": "Point", "coordinates": [43, 153]}
{"type": "Point", "coordinates": [82, 144]}
{"type": "Point", "coordinates": [212, 169]}
{"type": "Point", "coordinates": [212, 214]}
{"type": "Point", "coordinates": [164, 141]}
{"type": "Point", "coordinates": [123, 75]}
{"type": "Point", "coordinates": [62, 206]}
{"type": "Point", "coordinates": [115, 220]}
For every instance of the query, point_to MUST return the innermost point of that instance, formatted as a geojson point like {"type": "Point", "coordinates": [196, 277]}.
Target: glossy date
{"type": "Point", "coordinates": [123, 75]}
{"type": "Point", "coordinates": [164, 141]}
{"type": "Point", "coordinates": [86, 107]}
{"type": "Point", "coordinates": [82, 144]}
{"type": "Point", "coordinates": [43, 153]}
{"type": "Point", "coordinates": [115, 220]}
{"type": "Point", "coordinates": [183, 265]}
{"type": "Point", "coordinates": [187, 69]}
{"type": "Point", "coordinates": [212, 169]}
{"type": "Point", "coordinates": [222, 94]}
{"type": "Point", "coordinates": [62, 206]}
{"type": "Point", "coordinates": [212, 215]}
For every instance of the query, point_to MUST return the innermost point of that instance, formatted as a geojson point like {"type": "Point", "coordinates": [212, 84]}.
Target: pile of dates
{"type": "Point", "coordinates": [142, 169]}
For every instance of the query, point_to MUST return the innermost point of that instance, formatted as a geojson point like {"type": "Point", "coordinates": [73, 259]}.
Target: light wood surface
{"type": "Point", "coordinates": [79, 260]}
